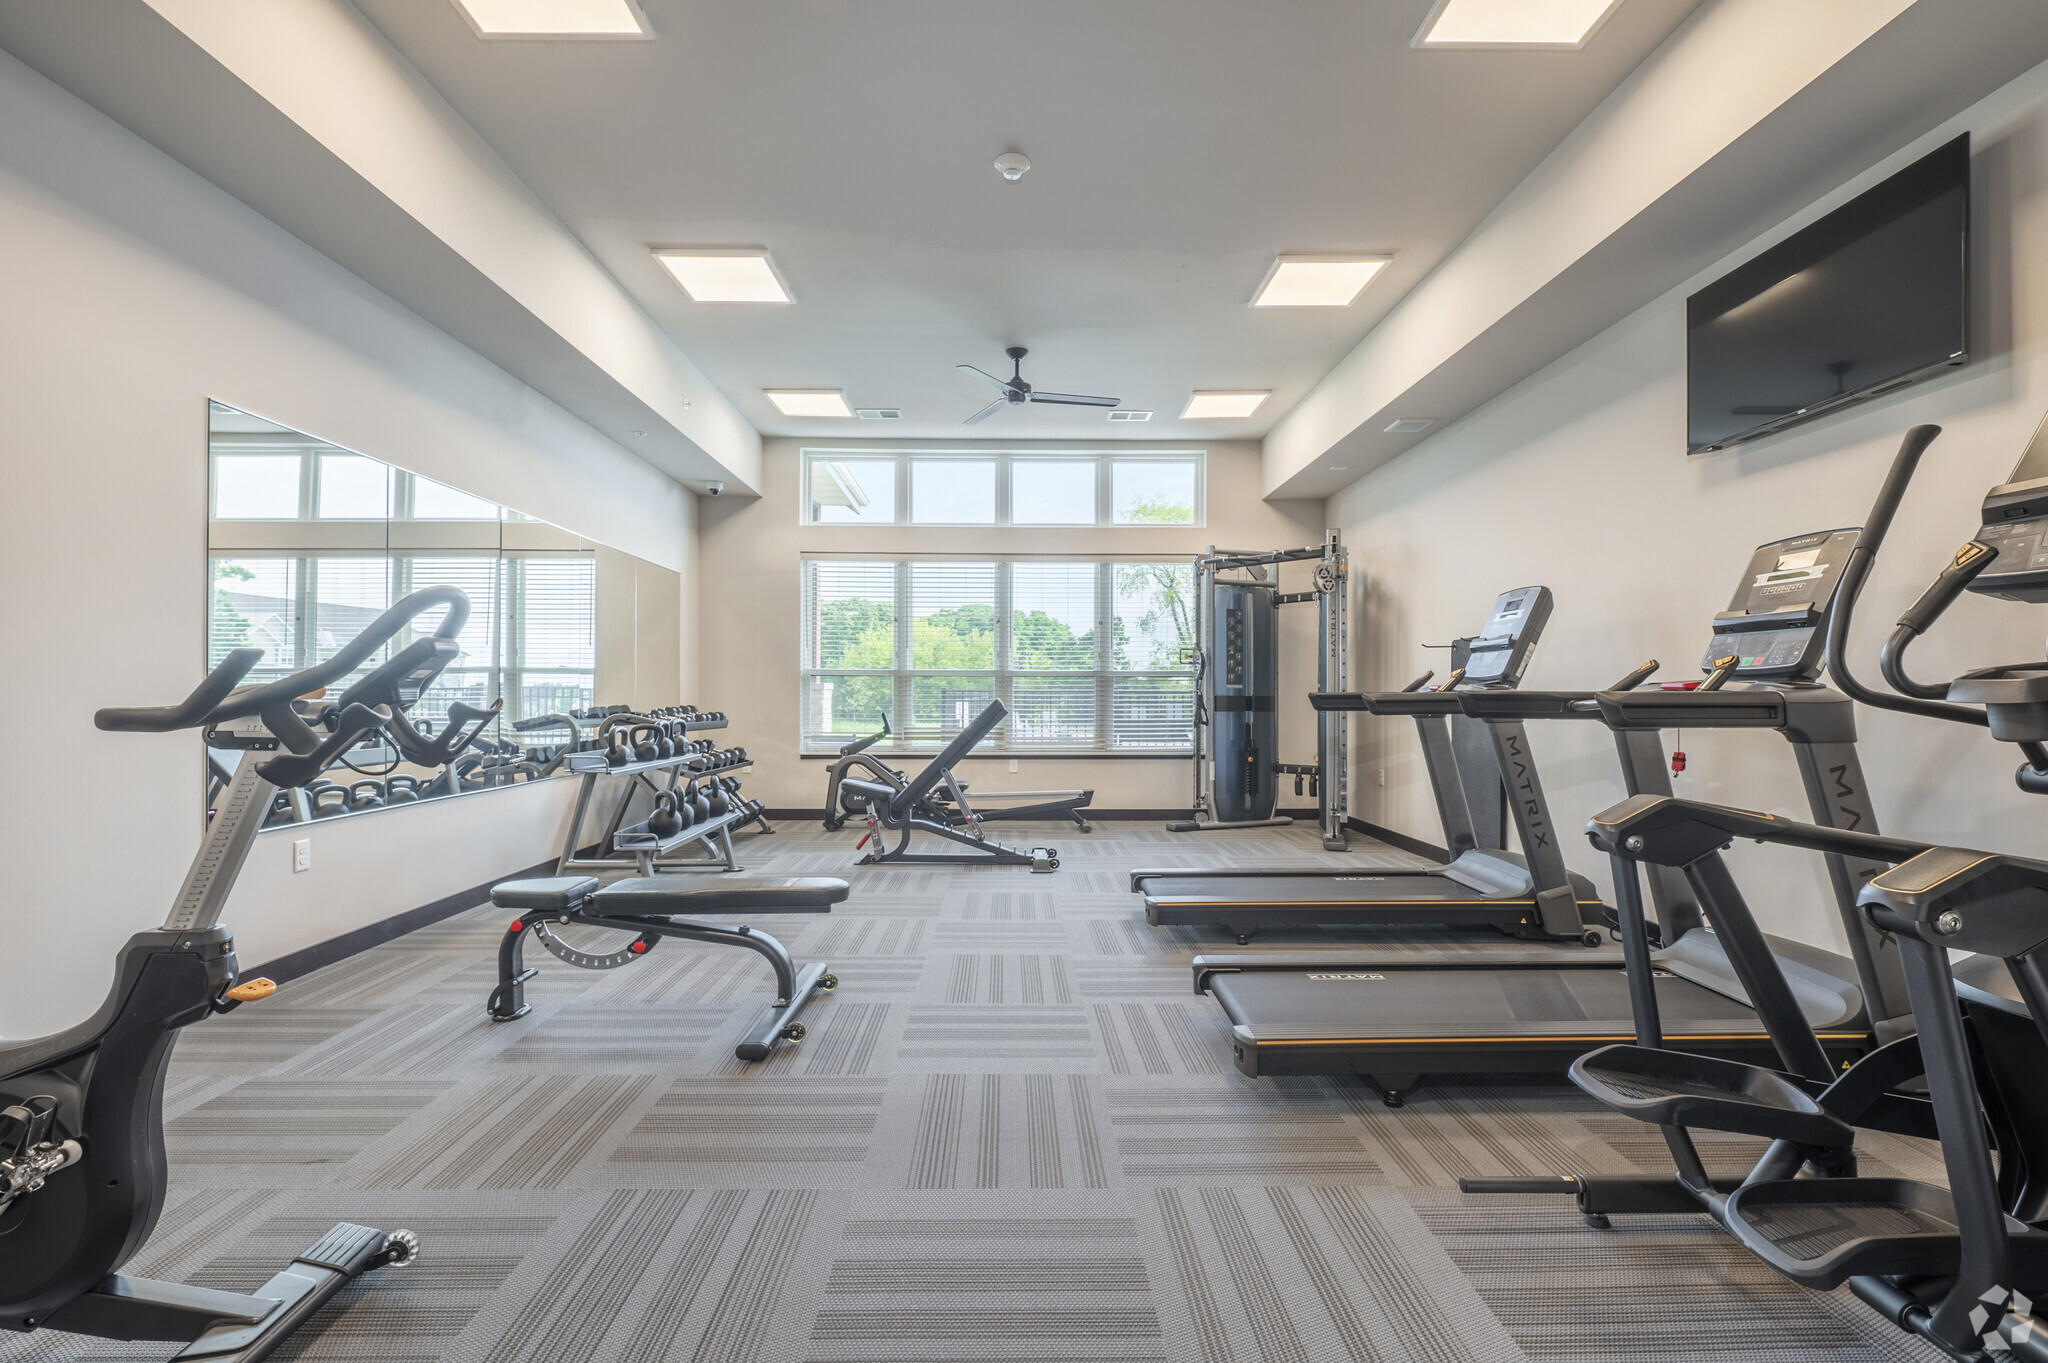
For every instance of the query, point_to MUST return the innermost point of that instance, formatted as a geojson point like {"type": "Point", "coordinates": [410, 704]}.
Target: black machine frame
{"type": "Point", "coordinates": [1330, 773]}
{"type": "Point", "coordinates": [82, 1163]}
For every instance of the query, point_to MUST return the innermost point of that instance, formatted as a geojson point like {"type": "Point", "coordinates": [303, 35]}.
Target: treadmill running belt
{"type": "Point", "coordinates": [1256, 892]}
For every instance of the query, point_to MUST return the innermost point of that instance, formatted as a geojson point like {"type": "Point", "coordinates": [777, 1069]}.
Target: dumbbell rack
{"type": "Point", "coordinates": [629, 846]}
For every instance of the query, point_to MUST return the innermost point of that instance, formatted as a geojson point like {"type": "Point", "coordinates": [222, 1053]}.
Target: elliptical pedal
{"type": "Point", "coordinates": [1677, 1088]}
{"type": "Point", "coordinates": [1824, 1231]}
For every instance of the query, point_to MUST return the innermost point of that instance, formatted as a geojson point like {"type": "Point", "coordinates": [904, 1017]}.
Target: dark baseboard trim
{"type": "Point", "coordinates": [1093, 815]}
{"type": "Point", "coordinates": [304, 962]}
{"type": "Point", "coordinates": [1400, 840]}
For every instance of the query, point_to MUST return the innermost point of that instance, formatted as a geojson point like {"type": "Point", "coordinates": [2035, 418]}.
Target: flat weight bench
{"type": "Point", "coordinates": [646, 907]}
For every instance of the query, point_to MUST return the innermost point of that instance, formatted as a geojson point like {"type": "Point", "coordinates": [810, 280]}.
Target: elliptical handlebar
{"type": "Point", "coordinates": [1875, 527]}
{"type": "Point", "coordinates": [217, 699]}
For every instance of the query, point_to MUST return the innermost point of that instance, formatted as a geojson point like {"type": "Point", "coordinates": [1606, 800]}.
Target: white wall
{"type": "Point", "coordinates": [134, 291]}
{"type": "Point", "coordinates": [1578, 479]}
{"type": "Point", "coordinates": [750, 597]}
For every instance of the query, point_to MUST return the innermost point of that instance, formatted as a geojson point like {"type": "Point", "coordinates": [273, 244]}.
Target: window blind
{"type": "Point", "coordinates": [1088, 655]}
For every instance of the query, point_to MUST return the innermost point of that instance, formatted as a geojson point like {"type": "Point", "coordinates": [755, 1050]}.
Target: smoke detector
{"type": "Point", "coordinates": [1013, 164]}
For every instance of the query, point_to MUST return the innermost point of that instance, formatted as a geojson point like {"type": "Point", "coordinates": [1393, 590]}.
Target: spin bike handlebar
{"type": "Point", "coordinates": [217, 699]}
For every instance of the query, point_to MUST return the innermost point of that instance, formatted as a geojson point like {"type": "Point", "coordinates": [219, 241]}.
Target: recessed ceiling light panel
{"type": "Point", "coordinates": [1215, 406]}
{"type": "Point", "coordinates": [1301, 281]}
{"type": "Point", "coordinates": [808, 401]}
{"type": "Point", "coordinates": [555, 18]}
{"type": "Point", "coordinates": [1563, 24]}
{"type": "Point", "coordinates": [741, 274]}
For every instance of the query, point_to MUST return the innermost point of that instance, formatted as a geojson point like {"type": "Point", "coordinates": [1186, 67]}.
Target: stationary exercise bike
{"type": "Point", "coordinates": [82, 1165]}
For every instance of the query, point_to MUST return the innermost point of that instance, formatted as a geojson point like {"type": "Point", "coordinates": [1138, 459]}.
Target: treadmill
{"type": "Point", "coordinates": [1528, 895]}
{"type": "Point", "coordinates": [1393, 1016]}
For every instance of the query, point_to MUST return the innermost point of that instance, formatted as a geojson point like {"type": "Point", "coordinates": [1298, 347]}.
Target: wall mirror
{"type": "Point", "coordinates": [308, 542]}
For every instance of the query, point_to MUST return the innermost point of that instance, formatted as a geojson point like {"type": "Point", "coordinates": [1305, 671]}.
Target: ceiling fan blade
{"type": "Point", "coordinates": [1003, 384]}
{"type": "Point", "coordinates": [985, 413]}
{"type": "Point", "coordinates": [1075, 399]}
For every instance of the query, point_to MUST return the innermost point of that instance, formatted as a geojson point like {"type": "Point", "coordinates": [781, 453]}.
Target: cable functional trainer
{"type": "Point", "coordinates": [1237, 681]}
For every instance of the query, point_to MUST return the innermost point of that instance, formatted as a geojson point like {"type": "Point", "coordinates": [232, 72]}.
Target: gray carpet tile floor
{"type": "Point", "coordinates": [1013, 1133]}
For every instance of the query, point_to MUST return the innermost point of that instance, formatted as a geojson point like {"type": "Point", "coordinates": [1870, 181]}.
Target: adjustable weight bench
{"type": "Point", "coordinates": [934, 802]}
{"type": "Point", "coordinates": [645, 908]}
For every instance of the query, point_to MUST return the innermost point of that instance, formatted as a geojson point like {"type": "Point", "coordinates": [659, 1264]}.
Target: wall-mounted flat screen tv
{"type": "Point", "coordinates": [1868, 299]}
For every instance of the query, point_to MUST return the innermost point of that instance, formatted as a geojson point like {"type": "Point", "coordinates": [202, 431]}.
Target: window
{"type": "Point", "coordinates": [953, 491]}
{"type": "Point", "coordinates": [1052, 491]}
{"type": "Point", "coordinates": [530, 636]}
{"type": "Point", "coordinates": [1002, 489]}
{"type": "Point", "coordinates": [1155, 491]}
{"type": "Point", "coordinates": [256, 487]}
{"type": "Point", "coordinates": [853, 490]}
{"type": "Point", "coordinates": [1089, 655]}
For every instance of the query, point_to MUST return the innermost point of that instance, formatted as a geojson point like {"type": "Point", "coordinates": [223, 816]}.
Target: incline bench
{"type": "Point", "coordinates": [933, 802]}
{"type": "Point", "coordinates": [646, 909]}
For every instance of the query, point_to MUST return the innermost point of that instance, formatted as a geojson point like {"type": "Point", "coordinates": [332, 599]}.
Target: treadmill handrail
{"type": "Point", "coordinates": [1403, 704]}
{"type": "Point", "coordinates": [1503, 704]}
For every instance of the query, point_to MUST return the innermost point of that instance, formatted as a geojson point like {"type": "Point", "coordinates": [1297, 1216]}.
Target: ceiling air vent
{"type": "Point", "coordinates": [1123, 415]}
{"type": "Point", "coordinates": [879, 413]}
{"type": "Point", "coordinates": [1409, 425]}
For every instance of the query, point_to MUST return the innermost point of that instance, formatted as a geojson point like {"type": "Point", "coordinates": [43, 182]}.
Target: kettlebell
{"type": "Point", "coordinates": [664, 822]}
{"type": "Point", "coordinates": [700, 804]}
{"type": "Point", "coordinates": [329, 801]}
{"type": "Point", "coordinates": [401, 790]}
{"type": "Point", "coordinates": [644, 748]}
{"type": "Point", "coordinates": [617, 754]}
{"type": "Point", "coordinates": [721, 802]}
{"type": "Point", "coordinates": [366, 795]}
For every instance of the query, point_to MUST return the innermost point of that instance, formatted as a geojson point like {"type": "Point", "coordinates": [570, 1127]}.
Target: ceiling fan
{"type": "Point", "coordinates": [1016, 391]}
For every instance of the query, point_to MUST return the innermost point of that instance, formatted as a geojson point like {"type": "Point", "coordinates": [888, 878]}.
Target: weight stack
{"type": "Point", "coordinates": [1243, 693]}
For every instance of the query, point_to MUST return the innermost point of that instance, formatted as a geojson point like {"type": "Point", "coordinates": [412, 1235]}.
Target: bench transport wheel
{"type": "Point", "coordinates": [828, 983]}
{"type": "Point", "coordinates": [401, 1249]}
{"type": "Point", "coordinates": [794, 1032]}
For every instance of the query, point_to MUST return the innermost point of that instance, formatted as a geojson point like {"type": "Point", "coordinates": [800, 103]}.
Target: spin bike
{"type": "Point", "coordinates": [82, 1164]}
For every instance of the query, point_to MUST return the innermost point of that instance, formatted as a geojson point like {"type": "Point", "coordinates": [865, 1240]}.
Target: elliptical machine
{"type": "Point", "coordinates": [82, 1164]}
{"type": "Point", "coordinates": [1955, 1265]}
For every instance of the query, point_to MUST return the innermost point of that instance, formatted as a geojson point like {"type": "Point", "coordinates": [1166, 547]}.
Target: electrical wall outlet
{"type": "Point", "coordinates": [1013, 766]}
{"type": "Point", "coordinates": [1379, 777]}
{"type": "Point", "coordinates": [302, 855]}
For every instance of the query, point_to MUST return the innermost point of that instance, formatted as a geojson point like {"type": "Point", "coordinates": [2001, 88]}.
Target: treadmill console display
{"type": "Point", "coordinates": [1501, 652]}
{"type": "Point", "coordinates": [1777, 624]}
{"type": "Point", "coordinates": [2016, 525]}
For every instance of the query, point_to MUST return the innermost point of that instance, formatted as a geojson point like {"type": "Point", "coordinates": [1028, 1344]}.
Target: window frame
{"type": "Point", "coordinates": [1105, 462]}
{"type": "Point", "coordinates": [1003, 673]}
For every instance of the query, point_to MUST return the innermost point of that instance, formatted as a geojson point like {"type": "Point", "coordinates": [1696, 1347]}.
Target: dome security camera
{"type": "Point", "coordinates": [1013, 164]}
{"type": "Point", "coordinates": [714, 488]}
